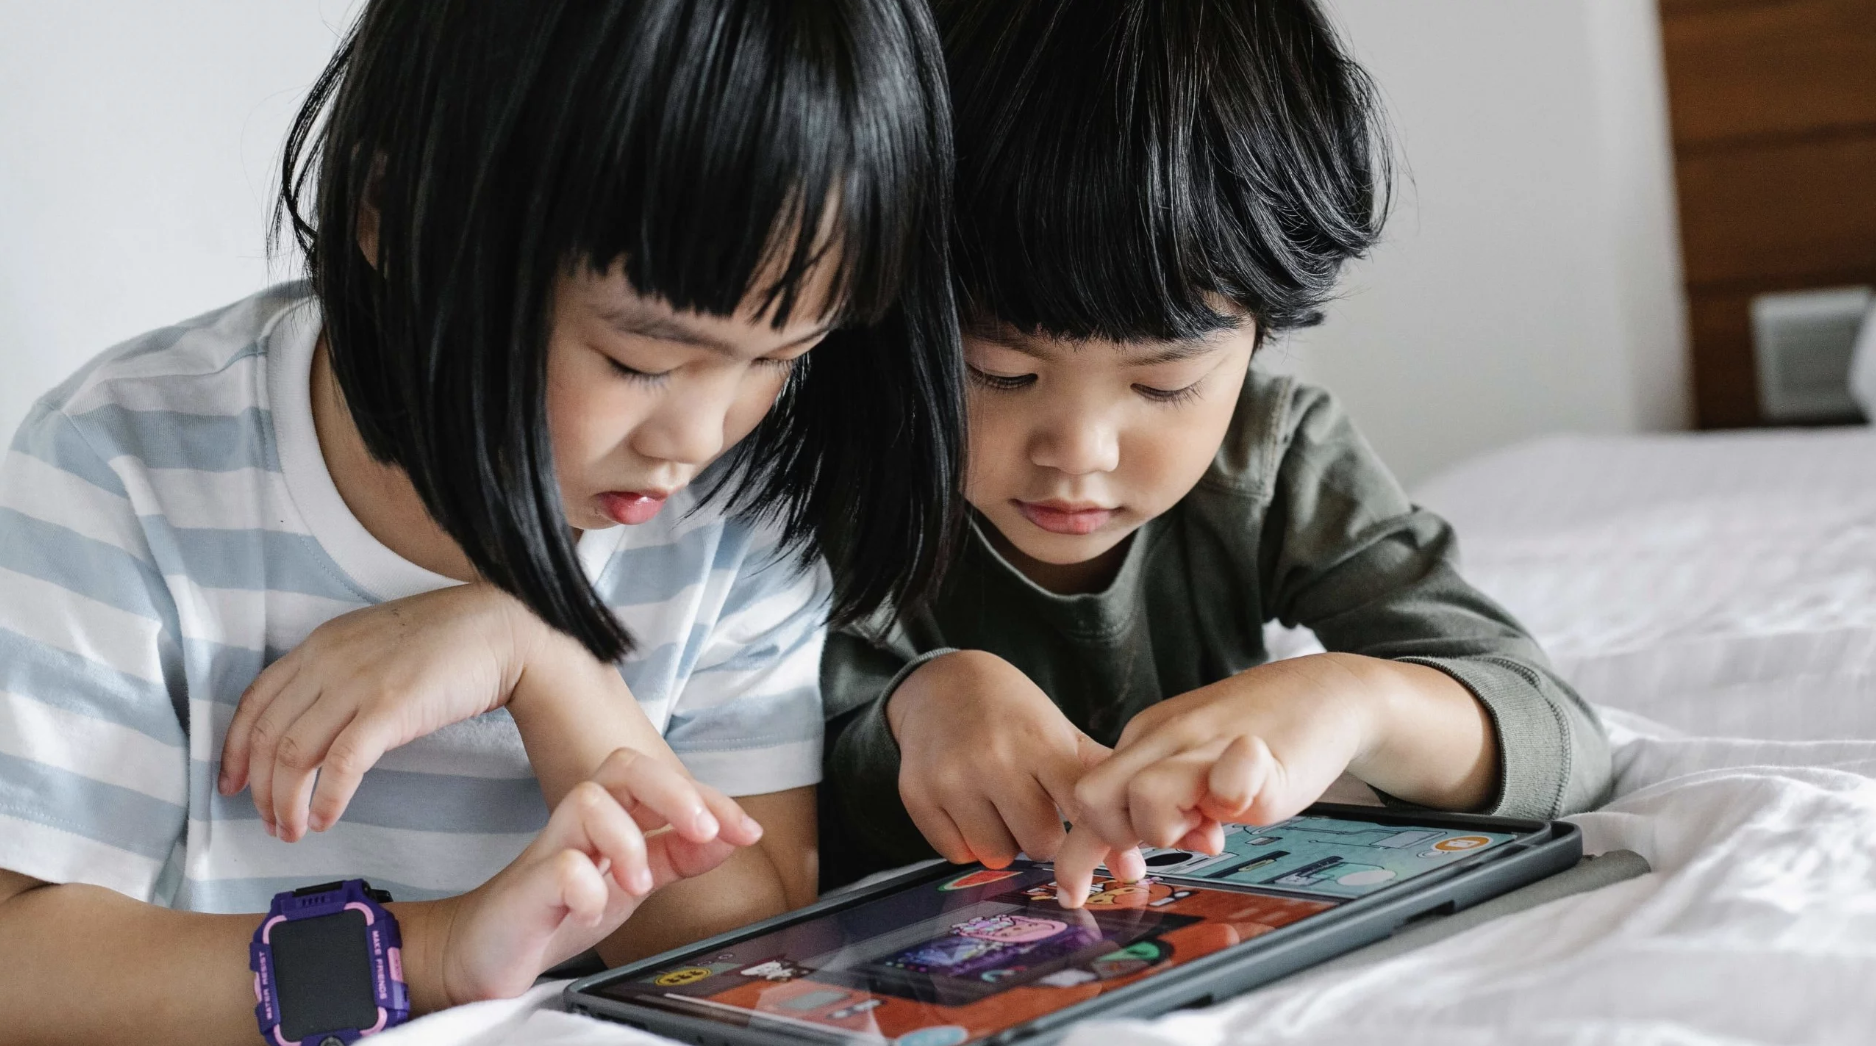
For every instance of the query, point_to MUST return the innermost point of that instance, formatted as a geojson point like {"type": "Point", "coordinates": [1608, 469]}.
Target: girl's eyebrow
{"type": "Point", "coordinates": [673, 328]}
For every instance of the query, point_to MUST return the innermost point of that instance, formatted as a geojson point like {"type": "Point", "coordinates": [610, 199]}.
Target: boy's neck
{"type": "Point", "coordinates": [1063, 579]}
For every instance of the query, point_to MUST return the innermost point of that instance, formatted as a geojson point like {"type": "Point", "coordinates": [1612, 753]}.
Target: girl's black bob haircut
{"type": "Point", "coordinates": [1124, 166]}
{"type": "Point", "coordinates": [504, 142]}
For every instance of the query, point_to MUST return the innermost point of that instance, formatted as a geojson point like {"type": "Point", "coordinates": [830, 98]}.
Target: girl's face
{"type": "Point", "coordinates": [641, 397]}
{"type": "Point", "coordinates": [1074, 445]}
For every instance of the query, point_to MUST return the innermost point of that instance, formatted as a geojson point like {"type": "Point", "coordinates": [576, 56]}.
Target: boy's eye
{"type": "Point", "coordinates": [784, 366]}
{"type": "Point", "coordinates": [999, 381]}
{"type": "Point", "coordinates": [1179, 395]}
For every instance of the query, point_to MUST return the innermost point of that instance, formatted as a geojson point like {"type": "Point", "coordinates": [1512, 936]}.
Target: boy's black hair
{"type": "Point", "coordinates": [1125, 164]}
{"type": "Point", "coordinates": [504, 142]}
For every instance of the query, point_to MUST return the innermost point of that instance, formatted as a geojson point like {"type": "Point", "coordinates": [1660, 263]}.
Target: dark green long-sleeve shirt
{"type": "Point", "coordinates": [1298, 521]}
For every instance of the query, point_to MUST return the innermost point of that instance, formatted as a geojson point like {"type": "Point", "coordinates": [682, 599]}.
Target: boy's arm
{"type": "Point", "coordinates": [867, 817]}
{"type": "Point", "coordinates": [1344, 552]}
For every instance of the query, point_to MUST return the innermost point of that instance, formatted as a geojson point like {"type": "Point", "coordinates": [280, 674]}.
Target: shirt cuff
{"type": "Point", "coordinates": [1534, 753]}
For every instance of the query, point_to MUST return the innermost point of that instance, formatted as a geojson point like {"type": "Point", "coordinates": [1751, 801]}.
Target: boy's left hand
{"type": "Point", "coordinates": [1255, 748]}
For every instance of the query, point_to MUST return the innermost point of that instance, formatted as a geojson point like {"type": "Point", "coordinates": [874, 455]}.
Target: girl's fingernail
{"type": "Point", "coordinates": [641, 881]}
{"type": "Point", "coordinates": [268, 826]}
{"type": "Point", "coordinates": [706, 825]}
{"type": "Point", "coordinates": [316, 823]}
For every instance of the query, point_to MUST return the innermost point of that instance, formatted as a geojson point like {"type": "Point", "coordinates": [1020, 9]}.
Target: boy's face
{"type": "Point", "coordinates": [1074, 445]}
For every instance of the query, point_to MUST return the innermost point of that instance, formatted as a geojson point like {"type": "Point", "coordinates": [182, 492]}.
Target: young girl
{"type": "Point", "coordinates": [1147, 191]}
{"type": "Point", "coordinates": [620, 314]}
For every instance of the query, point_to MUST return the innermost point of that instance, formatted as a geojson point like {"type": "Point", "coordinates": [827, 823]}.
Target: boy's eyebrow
{"type": "Point", "coordinates": [673, 328]}
{"type": "Point", "coordinates": [1174, 351]}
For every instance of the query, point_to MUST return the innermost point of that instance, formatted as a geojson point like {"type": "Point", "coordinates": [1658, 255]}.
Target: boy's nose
{"type": "Point", "coordinates": [1078, 448]}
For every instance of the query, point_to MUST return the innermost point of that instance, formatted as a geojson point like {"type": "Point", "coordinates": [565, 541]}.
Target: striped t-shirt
{"type": "Point", "coordinates": [168, 528]}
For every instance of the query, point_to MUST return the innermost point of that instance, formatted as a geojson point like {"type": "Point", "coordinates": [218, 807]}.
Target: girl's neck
{"type": "Point", "coordinates": [379, 495]}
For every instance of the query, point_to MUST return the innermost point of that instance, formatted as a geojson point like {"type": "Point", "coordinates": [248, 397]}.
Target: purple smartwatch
{"type": "Point", "coordinates": [328, 966]}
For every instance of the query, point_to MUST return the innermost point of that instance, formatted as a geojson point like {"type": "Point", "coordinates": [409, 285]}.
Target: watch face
{"type": "Point", "coordinates": [322, 971]}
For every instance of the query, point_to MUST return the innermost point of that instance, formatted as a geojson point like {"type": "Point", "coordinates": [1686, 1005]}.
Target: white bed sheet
{"type": "Point", "coordinates": [1724, 583]}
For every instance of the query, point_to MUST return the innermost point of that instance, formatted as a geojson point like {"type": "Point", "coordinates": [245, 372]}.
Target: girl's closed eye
{"type": "Point", "coordinates": [645, 377]}
{"type": "Point", "coordinates": [1000, 382]}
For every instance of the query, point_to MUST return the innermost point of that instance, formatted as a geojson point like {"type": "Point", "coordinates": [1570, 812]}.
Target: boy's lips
{"type": "Point", "coordinates": [632, 507]}
{"type": "Point", "coordinates": [1062, 517]}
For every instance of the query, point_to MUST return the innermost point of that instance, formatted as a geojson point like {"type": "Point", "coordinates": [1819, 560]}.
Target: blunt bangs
{"type": "Point", "coordinates": [1123, 165]}
{"type": "Point", "coordinates": [729, 153]}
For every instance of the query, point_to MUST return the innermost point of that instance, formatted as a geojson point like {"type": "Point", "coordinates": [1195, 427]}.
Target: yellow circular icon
{"type": "Point", "coordinates": [687, 975]}
{"type": "Point", "coordinates": [1461, 842]}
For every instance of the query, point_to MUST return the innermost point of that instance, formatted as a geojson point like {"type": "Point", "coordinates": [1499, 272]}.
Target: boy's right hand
{"type": "Point", "coordinates": [987, 763]}
{"type": "Point", "coordinates": [636, 825]}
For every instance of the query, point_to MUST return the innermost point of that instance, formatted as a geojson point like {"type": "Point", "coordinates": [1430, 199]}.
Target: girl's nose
{"type": "Point", "coordinates": [687, 429]}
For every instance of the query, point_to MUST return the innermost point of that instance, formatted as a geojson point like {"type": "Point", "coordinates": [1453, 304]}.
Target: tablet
{"type": "Point", "coordinates": [948, 955]}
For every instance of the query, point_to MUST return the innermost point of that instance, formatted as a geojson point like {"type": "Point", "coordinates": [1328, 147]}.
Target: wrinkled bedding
{"type": "Point", "coordinates": [1723, 583]}
{"type": "Point", "coordinates": [1715, 595]}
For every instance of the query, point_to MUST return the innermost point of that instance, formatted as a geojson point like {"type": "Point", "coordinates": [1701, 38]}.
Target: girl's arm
{"type": "Point", "coordinates": [572, 711]}
{"type": "Point", "coordinates": [92, 966]}
{"type": "Point", "coordinates": [380, 676]}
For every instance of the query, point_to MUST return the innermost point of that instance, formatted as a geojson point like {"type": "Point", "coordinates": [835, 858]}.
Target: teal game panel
{"type": "Point", "coordinates": [1324, 856]}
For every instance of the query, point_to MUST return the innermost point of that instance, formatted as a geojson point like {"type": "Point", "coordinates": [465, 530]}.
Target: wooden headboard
{"type": "Point", "coordinates": [1773, 105]}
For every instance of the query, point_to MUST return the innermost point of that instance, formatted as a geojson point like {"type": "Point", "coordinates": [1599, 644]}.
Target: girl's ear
{"type": "Point", "coordinates": [368, 213]}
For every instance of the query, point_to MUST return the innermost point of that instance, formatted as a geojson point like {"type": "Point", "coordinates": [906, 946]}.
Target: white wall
{"type": "Point", "coordinates": [1529, 282]}
{"type": "Point", "coordinates": [138, 141]}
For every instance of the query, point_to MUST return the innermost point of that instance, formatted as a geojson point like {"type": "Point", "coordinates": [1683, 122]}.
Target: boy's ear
{"type": "Point", "coordinates": [368, 214]}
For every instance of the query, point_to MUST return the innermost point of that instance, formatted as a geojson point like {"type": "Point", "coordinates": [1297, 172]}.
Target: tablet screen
{"type": "Point", "coordinates": [970, 954]}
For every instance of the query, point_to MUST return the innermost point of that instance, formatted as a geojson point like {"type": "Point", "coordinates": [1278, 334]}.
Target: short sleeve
{"type": "Point", "coordinates": [94, 755]}
{"type": "Point", "coordinates": [749, 719]}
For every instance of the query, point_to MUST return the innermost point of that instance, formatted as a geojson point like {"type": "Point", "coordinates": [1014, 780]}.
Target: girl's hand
{"type": "Point", "coordinates": [635, 826]}
{"type": "Point", "coordinates": [362, 684]}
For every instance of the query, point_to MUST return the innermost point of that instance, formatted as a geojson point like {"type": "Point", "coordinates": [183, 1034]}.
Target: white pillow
{"type": "Point", "coordinates": [1863, 365]}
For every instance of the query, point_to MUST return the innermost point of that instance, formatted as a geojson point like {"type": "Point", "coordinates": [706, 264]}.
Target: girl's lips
{"type": "Point", "coordinates": [632, 507]}
{"type": "Point", "coordinates": [1063, 519]}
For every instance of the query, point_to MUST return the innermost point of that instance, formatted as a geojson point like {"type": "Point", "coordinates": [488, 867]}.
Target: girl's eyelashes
{"type": "Point", "coordinates": [646, 377]}
{"type": "Point", "coordinates": [1000, 382]}
{"type": "Point", "coordinates": [634, 374]}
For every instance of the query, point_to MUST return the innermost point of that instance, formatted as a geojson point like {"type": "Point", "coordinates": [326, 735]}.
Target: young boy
{"type": "Point", "coordinates": [1146, 193]}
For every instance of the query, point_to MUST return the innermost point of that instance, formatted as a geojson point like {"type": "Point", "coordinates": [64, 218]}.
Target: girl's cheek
{"type": "Point", "coordinates": [752, 405]}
